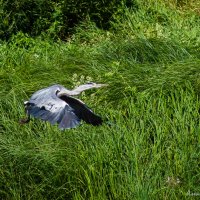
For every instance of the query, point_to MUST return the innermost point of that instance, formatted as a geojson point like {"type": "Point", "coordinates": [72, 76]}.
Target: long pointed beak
{"type": "Point", "coordinates": [98, 85]}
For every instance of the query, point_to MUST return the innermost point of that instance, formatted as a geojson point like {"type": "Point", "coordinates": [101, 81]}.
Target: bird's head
{"type": "Point", "coordinates": [87, 86]}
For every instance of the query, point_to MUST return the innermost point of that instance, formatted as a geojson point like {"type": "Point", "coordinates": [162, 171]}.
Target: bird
{"type": "Point", "coordinates": [57, 104]}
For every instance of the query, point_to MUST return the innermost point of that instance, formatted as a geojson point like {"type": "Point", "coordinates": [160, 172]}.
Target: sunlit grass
{"type": "Point", "coordinates": [151, 139]}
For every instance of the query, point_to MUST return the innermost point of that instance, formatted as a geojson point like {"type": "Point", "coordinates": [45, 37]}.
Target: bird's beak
{"type": "Point", "coordinates": [100, 85]}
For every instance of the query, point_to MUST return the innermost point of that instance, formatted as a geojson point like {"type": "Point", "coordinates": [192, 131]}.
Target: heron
{"type": "Point", "coordinates": [57, 104]}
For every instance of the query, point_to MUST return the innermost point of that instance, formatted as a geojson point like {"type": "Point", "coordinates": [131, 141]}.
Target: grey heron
{"type": "Point", "coordinates": [56, 104]}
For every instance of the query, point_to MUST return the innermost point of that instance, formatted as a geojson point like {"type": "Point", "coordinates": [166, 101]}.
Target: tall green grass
{"type": "Point", "coordinates": [153, 141]}
{"type": "Point", "coordinates": [148, 149]}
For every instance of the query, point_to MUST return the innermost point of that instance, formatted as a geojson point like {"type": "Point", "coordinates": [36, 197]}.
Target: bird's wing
{"type": "Point", "coordinates": [82, 111]}
{"type": "Point", "coordinates": [44, 104]}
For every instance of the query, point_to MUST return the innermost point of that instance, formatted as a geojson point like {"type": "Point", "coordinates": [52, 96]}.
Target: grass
{"type": "Point", "coordinates": [150, 147]}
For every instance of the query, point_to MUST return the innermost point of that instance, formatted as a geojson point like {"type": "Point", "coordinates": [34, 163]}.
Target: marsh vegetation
{"type": "Point", "coordinates": [150, 57]}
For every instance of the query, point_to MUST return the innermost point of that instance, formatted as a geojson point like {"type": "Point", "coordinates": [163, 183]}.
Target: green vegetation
{"type": "Point", "coordinates": [56, 18]}
{"type": "Point", "coordinates": [150, 147]}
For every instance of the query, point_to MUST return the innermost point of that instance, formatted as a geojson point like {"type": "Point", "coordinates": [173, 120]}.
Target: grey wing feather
{"type": "Point", "coordinates": [69, 120]}
{"type": "Point", "coordinates": [44, 114]}
{"type": "Point", "coordinates": [44, 104]}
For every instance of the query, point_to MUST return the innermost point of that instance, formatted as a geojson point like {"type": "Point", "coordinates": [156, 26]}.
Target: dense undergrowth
{"type": "Point", "coordinates": [148, 149]}
{"type": "Point", "coordinates": [56, 18]}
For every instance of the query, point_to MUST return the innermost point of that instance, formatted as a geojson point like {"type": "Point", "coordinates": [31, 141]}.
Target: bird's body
{"type": "Point", "coordinates": [56, 105]}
